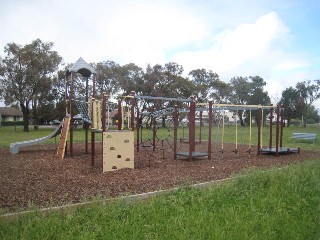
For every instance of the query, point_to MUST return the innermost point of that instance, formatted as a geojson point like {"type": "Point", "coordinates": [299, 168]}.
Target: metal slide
{"type": "Point", "coordinates": [14, 147]}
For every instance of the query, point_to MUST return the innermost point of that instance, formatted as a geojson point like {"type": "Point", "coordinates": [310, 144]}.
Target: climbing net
{"type": "Point", "coordinates": [84, 108]}
{"type": "Point", "coordinates": [155, 125]}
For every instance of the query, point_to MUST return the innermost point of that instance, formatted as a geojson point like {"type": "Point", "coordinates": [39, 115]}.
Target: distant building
{"type": "Point", "coordinates": [10, 114]}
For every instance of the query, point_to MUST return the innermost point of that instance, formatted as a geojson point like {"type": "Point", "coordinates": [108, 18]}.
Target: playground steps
{"type": "Point", "coordinates": [63, 138]}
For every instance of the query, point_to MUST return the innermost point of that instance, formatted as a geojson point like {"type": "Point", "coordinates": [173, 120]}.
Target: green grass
{"type": "Point", "coordinates": [16, 134]}
{"type": "Point", "coordinates": [12, 134]}
{"type": "Point", "coordinates": [279, 204]}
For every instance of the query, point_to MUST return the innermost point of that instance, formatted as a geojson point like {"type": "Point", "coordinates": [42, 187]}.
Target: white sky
{"type": "Point", "coordinates": [277, 40]}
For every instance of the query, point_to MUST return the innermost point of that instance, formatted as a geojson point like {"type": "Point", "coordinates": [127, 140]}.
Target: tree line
{"type": "Point", "coordinates": [33, 79]}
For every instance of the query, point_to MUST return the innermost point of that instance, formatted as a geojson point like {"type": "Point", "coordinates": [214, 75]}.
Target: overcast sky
{"type": "Point", "coordinates": [275, 39]}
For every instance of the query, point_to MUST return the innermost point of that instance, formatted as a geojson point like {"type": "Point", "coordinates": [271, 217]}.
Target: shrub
{"type": "Point", "coordinates": [11, 123]}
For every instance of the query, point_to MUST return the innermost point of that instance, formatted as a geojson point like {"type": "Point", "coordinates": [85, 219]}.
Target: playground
{"type": "Point", "coordinates": [36, 176]}
{"type": "Point", "coordinates": [154, 143]}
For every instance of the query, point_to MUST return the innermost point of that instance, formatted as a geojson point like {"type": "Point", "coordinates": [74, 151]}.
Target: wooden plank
{"type": "Point", "coordinates": [63, 138]}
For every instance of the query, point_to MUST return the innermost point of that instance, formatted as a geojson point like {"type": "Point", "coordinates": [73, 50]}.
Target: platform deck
{"type": "Point", "coordinates": [281, 150]}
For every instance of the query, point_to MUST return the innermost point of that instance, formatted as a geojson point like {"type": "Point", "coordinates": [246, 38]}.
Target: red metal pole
{"type": "Point", "coordinates": [277, 131]}
{"type": "Point", "coordinates": [153, 120]}
{"type": "Point", "coordinates": [210, 130]}
{"type": "Point", "coordinates": [104, 111]}
{"type": "Point", "coordinates": [200, 128]}
{"type": "Point", "coordinates": [132, 110]}
{"type": "Point", "coordinates": [119, 115]}
{"type": "Point", "coordinates": [94, 86]}
{"type": "Point", "coordinates": [71, 115]}
{"type": "Point", "coordinates": [86, 125]}
{"type": "Point", "coordinates": [281, 127]}
{"type": "Point", "coordinates": [93, 147]}
{"type": "Point", "coordinates": [192, 128]}
{"type": "Point", "coordinates": [66, 94]}
{"type": "Point", "coordinates": [270, 134]}
{"type": "Point", "coordinates": [138, 129]}
{"type": "Point", "coordinates": [175, 133]}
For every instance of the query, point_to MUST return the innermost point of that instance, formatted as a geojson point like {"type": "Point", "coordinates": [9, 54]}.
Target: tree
{"type": "Point", "coordinates": [289, 101]}
{"type": "Point", "coordinates": [132, 79]}
{"type": "Point", "coordinates": [312, 115]}
{"type": "Point", "coordinates": [205, 83]}
{"type": "Point", "coordinates": [27, 75]}
{"type": "Point", "coordinates": [221, 92]}
{"type": "Point", "coordinates": [167, 80]}
{"type": "Point", "coordinates": [309, 92]}
{"type": "Point", "coordinates": [107, 77]}
{"type": "Point", "coordinates": [257, 95]}
{"type": "Point", "coordinates": [240, 88]}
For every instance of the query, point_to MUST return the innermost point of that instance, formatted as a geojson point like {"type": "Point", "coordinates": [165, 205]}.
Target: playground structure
{"type": "Point", "coordinates": [147, 115]}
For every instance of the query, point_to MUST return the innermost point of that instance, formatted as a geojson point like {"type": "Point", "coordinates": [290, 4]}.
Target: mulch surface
{"type": "Point", "coordinates": [36, 176]}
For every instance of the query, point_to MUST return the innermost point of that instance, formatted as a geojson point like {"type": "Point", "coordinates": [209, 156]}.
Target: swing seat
{"type": "Point", "coordinates": [146, 145]}
{"type": "Point", "coordinates": [194, 154]}
{"type": "Point", "coordinates": [184, 140]}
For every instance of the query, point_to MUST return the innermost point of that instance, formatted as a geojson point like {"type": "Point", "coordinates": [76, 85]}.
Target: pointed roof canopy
{"type": "Point", "coordinates": [80, 66]}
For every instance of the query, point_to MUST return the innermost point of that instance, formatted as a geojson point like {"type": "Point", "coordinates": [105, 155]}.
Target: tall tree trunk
{"type": "Point", "coordinates": [304, 116]}
{"type": "Point", "coordinates": [35, 115]}
{"type": "Point", "coordinates": [288, 122]}
{"type": "Point", "coordinates": [25, 112]}
{"type": "Point", "coordinates": [241, 118]}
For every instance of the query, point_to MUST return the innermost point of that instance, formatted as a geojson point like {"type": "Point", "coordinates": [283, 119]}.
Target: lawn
{"type": "Point", "coordinates": [279, 204]}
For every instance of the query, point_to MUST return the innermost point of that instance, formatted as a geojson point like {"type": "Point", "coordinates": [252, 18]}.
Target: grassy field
{"type": "Point", "coordinates": [12, 134]}
{"type": "Point", "coordinates": [279, 204]}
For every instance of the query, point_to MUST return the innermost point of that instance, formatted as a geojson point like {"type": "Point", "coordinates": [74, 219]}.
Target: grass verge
{"type": "Point", "coordinates": [282, 204]}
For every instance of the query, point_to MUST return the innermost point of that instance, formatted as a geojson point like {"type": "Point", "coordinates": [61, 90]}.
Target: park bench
{"type": "Point", "coordinates": [304, 136]}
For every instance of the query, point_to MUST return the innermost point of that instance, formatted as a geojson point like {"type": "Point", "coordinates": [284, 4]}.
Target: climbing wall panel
{"type": "Point", "coordinates": [118, 150]}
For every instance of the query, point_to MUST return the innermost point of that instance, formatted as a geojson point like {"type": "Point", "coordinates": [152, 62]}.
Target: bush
{"type": "Point", "coordinates": [296, 122]}
{"type": "Point", "coordinates": [311, 121]}
{"type": "Point", "coordinates": [11, 123]}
